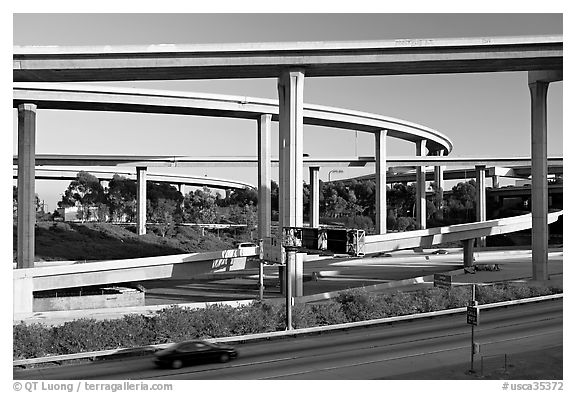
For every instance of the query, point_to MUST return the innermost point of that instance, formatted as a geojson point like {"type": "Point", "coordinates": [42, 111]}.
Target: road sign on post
{"type": "Point", "coordinates": [472, 315]}
{"type": "Point", "coordinates": [442, 281]}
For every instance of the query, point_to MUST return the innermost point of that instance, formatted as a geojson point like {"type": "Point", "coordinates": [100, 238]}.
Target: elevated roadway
{"type": "Point", "coordinates": [194, 181]}
{"type": "Point", "coordinates": [248, 161]}
{"type": "Point", "coordinates": [268, 60]}
{"type": "Point", "coordinates": [541, 57]}
{"type": "Point", "coordinates": [189, 265]}
{"type": "Point", "coordinates": [461, 232]}
{"type": "Point", "coordinates": [114, 99]}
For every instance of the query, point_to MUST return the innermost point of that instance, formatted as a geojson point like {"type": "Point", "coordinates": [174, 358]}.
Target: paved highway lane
{"type": "Point", "coordinates": [364, 353]}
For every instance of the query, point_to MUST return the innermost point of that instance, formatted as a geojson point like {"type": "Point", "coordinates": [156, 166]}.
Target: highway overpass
{"type": "Point", "coordinates": [540, 57]}
{"type": "Point", "coordinates": [185, 180]}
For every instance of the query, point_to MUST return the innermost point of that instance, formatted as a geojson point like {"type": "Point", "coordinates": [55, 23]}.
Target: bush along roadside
{"type": "Point", "coordinates": [174, 324]}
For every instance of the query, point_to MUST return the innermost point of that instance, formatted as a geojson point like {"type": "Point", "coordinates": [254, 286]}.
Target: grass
{"type": "Point", "coordinates": [102, 241]}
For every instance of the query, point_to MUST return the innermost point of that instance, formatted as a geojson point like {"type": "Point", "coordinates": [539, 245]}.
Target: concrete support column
{"type": "Point", "coordinates": [420, 187]}
{"type": "Point", "coordinates": [495, 181]}
{"type": "Point", "coordinates": [314, 197]}
{"type": "Point", "coordinates": [264, 190]}
{"type": "Point", "coordinates": [291, 140]}
{"type": "Point", "coordinates": [468, 246]}
{"type": "Point", "coordinates": [539, 194]}
{"type": "Point", "coordinates": [141, 200]}
{"type": "Point", "coordinates": [439, 175]}
{"type": "Point", "coordinates": [264, 177]}
{"type": "Point", "coordinates": [439, 180]}
{"type": "Point", "coordinates": [481, 199]}
{"type": "Point", "coordinates": [26, 185]}
{"type": "Point", "coordinates": [381, 181]}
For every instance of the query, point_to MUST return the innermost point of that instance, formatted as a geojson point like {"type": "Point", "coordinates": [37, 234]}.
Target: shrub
{"type": "Point", "coordinates": [30, 341]}
{"type": "Point", "coordinates": [254, 318]}
{"type": "Point", "coordinates": [175, 324]}
{"type": "Point", "coordinates": [359, 305]}
{"type": "Point", "coordinates": [433, 299]}
{"type": "Point", "coordinates": [328, 314]}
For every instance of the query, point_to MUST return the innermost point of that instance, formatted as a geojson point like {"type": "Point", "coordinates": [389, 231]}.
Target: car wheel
{"type": "Point", "coordinates": [224, 358]}
{"type": "Point", "coordinates": [176, 363]}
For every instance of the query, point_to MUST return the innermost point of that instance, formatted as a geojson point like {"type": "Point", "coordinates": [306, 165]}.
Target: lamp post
{"type": "Point", "coordinates": [334, 171]}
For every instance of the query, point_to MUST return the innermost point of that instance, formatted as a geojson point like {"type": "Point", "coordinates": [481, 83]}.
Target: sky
{"type": "Point", "coordinates": [483, 114]}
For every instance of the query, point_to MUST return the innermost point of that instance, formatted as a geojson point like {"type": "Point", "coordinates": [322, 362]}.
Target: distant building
{"type": "Point", "coordinates": [75, 214]}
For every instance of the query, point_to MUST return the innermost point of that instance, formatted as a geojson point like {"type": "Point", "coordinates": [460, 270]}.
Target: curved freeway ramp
{"type": "Point", "coordinates": [190, 265]}
{"type": "Point", "coordinates": [432, 236]}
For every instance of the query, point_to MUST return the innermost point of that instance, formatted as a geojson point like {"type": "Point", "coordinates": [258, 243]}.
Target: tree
{"type": "Point", "coordinates": [37, 204]}
{"type": "Point", "coordinates": [122, 199]}
{"type": "Point", "coordinates": [200, 206]}
{"type": "Point", "coordinates": [157, 195]}
{"type": "Point", "coordinates": [85, 191]}
{"type": "Point", "coordinates": [164, 214]}
{"type": "Point", "coordinates": [244, 196]}
{"type": "Point", "coordinates": [461, 204]}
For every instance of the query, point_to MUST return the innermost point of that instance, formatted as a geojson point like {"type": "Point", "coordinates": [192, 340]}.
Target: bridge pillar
{"type": "Point", "coordinates": [420, 188]}
{"type": "Point", "coordinates": [264, 177]}
{"type": "Point", "coordinates": [538, 82]}
{"type": "Point", "coordinates": [23, 291]}
{"type": "Point", "coordinates": [439, 180]}
{"type": "Point", "coordinates": [26, 191]}
{"type": "Point", "coordinates": [314, 197]}
{"type": "Point", "coordinates": [481, 199]}
{"type": "Point", "coordinates": [141, 200]}
{"type": "Point", "coordinates": [264, 191]}
{"type": "Point", "coordinates": [468, 252]}
{"type": "Point", "coordinates": [291, 148]}
{"type": "Point", "coordinates": [495, 181]}
{"type": "Point", "coordinates": [381, 181]}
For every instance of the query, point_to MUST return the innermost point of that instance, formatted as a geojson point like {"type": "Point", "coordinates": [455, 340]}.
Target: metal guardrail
{"type": "Point", "coordinates": [295, 332]}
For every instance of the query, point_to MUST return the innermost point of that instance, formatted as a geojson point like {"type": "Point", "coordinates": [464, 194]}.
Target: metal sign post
{"type": "Point", "coordinates": [472, 318]}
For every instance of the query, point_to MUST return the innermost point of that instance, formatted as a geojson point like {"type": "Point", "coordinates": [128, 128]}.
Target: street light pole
{"type": "Point", "coordinates": [334, 171]}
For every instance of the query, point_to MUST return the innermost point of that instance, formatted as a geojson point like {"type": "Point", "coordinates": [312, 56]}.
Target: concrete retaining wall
{"type": "Point", "coordinates": [64, 303]}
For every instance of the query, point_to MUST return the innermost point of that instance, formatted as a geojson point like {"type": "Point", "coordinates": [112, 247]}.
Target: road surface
{"type": "Point", "coordinates": [382, 351]}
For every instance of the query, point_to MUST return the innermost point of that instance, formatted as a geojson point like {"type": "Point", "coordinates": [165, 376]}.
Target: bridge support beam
{"type": "Point", "coordinates": [314, 197]}
{"type": "Point", "coordinates": [23, 291]}
{"type": "Point", "coordinates": [420, 187]}
{"type": "Point", "coordinates": [481, 199]}
{"type": "Point", "coordinates": [26, 185]}
{"type": "Point", "coordinates": [495, 181]}
{"type": "Point", "coordinates": [468, 246]}
{"type": "Point", "coordinates": [264, 177]}
{"type": "Point", "coordinates": [439, 180]}
{"type": "Point", "coordinates": [538, 82]}
{"type": "Point", "coordinates": [291, 148]}
{"type": "Point", "coordinates": [141, 200]}
{"type": "Point", "coordinates": [381, 181]}
{"type": "Point", "coordinates": [264, 191]}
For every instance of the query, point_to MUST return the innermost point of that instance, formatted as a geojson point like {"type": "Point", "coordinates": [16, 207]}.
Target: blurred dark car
{"type": "Point", "coordinates": [189, 352]}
